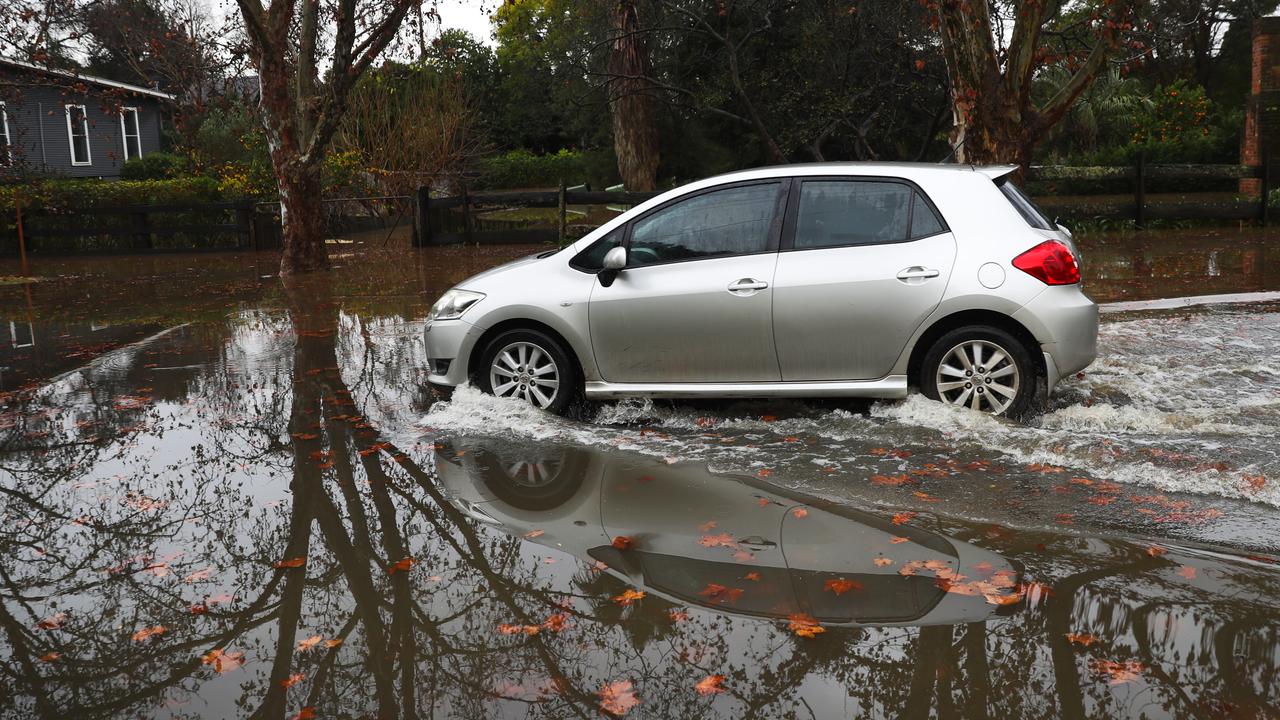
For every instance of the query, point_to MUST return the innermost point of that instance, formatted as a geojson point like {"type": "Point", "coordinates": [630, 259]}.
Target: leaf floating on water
{"type": "Point", "coordinates": [800, 512]}
{"type": "Point", "coordinates": [149, 632]}
{"type": "Point", "coordinates": [53, 622]}
{"type": "Point", "coordinates": [292, 562]}
{"type": "Point", "coordinates": [806, 626]}
{"type": "Point", "coordinates": [677, 616]}
{"type": "Point", "coordinates": [903, 518]}
{"type": "Point", "coordinates": [710, 685]}
{"type": "Point", "coordinates": [1082, 639]}
{"type": "Point", "coordinates": [628, 597]}
{"type": "Point", "coordinates": [535, 533]}
{"type": "Point", "coordinates": [724, 540]}
{"type": "Point", "coordinates": [752, 576]}
{"type": "Point", "coordinates": [897, 539]}
{"type": "Point", "coordinates": [707, 526]}
{"type": "Point", "coordinates": [1117, 672]}
{"type": "Point", "coordinates": [840, 586]}
{"type": "Point", "coordinates": [1254, 482]}
{"type": "Point", "coordinates": [622, 542]}
{"type": "Point", "coordinates": [50, 656]}
{"type": "Point", "coordinates": [1187, 572]}
{"type": "Point", "coordinates": [402, 565]}
{"type": "Point", "coordinates": [309, 643]}
{"type": "Point", "coordinates": [1156, 551]}
{"type": "Point", "coordinates": [722, 594]}
{"type": "Point", "coordinates": [882, 562]}
{"type": "Point", "coordinates": [292, 680]}
{"type": "Point", "coordinates": [617, 698]}
{"type": "Point", "coordinates": [306, 713]}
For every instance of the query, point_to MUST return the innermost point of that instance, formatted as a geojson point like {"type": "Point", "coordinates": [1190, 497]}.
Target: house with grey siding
{"type": "Point", "coordinates": [74, 125]}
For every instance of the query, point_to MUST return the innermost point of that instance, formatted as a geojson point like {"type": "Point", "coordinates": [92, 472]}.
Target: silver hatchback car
{"type": "Point", "coordinates": [826, 280]}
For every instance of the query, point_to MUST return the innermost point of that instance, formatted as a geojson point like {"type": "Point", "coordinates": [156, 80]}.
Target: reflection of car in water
{"type": "Point", "coordinates": [731, 543]}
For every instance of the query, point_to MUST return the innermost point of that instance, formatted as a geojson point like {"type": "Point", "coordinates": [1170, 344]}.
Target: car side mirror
{"type": "Point", "coordinates": [614, 261]}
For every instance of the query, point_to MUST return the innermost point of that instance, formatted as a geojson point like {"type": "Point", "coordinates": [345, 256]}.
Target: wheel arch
{"type": "Point", "coordinates": [482, 342]}
{"type": "Point", "coordinates": [963, 318]}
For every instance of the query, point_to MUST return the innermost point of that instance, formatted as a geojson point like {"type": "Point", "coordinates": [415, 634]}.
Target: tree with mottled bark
{"type": "Point", "coordinates": [631, 101]}
{"type": "Point", "coordinates": [302, 106]}
{"type": "Point", "coordinates": [996, 118]}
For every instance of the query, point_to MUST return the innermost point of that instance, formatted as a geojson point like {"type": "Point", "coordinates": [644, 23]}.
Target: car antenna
{"type": "Point", "coordinates": [954, 149]}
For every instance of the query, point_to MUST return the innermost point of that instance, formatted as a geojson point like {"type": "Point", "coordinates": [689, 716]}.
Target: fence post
{"type": "Point", "coordinates": [1264, 212]}
{"type": "Point", "coordinates": [22, 239]}
{"type": "Point", "coordinates": [244, 219]}
{"type": "Point", "coordinates": [421, 220]}
{"type": "Point", "coordinates": [562, 234]}
{"type": "Point", "coordinates": [142, 229]}
{"type": "Point", "coordinates": [1140, 191]}
{"type": "Point", "coordinates": [466, 213]}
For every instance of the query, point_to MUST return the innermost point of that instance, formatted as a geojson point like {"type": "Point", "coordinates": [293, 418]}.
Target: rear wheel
{"type": "Point", "coordinates": [982, 368]}
{"type": "Point", "coordinates": [531, 366]}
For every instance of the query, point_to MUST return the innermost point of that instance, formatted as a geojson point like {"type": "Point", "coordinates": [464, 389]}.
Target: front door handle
{"type": "Point", "coordinates": [755, 542]}
{"type": "Point", "coordinates": [917, 272]}
{"type": "Point", "coordinates": [747, 286]}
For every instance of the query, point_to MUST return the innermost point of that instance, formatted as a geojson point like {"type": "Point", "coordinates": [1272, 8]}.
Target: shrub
{"type": "Point", "coordinates": [523, 169]}
{"type": "Point", "coordinates": [74, 194]}
{"type": "Point", "coordinates": [154, 166]}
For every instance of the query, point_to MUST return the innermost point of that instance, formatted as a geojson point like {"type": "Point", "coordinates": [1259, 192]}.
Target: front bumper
{"type": "Point", "coordinates": [1065, 322]}
{"type": "Point", "coordinates": [449, 344]}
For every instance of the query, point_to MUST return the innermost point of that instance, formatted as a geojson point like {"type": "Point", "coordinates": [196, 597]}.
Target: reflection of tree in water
{"type": "Point", "coordinates": [107, 523]}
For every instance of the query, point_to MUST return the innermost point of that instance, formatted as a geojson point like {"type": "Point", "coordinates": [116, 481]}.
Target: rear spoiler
{"type": "Point", "coordinates": [996, 172]}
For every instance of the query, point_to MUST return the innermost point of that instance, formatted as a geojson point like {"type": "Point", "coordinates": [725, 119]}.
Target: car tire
{"type": "Point", "coordinates": [514, 364]}
{"type": "Point", "coordinates": [950, 374]}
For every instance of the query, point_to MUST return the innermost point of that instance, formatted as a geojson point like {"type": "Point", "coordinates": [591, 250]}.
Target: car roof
{"type": "Point", "coordinates": [907, 170]}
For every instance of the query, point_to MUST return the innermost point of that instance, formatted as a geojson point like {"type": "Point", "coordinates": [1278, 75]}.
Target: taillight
{"type": "Point", "coordinates": [1050, 262]}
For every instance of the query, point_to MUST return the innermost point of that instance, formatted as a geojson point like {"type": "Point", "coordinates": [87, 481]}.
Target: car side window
{"type": "Point", "coordinates": [839, 213]}
{"type": "Point", "coordinates": [591, 260]}
{"type": "Point", "coordinates": [733, 221]}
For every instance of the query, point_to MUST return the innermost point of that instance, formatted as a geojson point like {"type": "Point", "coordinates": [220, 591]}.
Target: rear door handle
{"type": "Point", "coordinates": [755, 542]}
{"type": "Point", "coordinates": [917, 272]}
{"type": "Point", "coordinates": [747, 285]}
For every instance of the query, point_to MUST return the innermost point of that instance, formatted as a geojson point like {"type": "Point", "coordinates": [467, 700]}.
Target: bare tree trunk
{"type": "Point", "coordinates": [635, 136]}
{"type": "Point", "coordinates": [302, 213]}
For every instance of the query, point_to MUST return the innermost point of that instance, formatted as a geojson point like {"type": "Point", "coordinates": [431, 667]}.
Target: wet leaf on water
{"type": "Point", "coordinates": [1117, 672]}
{"type": "Point", "coordinates": [707, 526]}
{"type": "Point", "coordinates": [628, 596]}
{"type": "Point", "coordinates": [840, 586]}
{"type": "Point", "coordinates": [891, 480]}
{"type": "Point", "coordinates": [764, 473]}
{"type": "Point", "coordinates": [800, 512]}
{"type": "Point", "coordinates": [50, 656]}
{"type": "Point", "coordinates": [304, 436]}
{"type": "Point", "coordinates": [401, 565]}
{"type": "Point", "coordinates": [309, 643]}
{"type": "Point", "coordinates": [882, 562]}
{"type": "Point", "coordinates": [199, 608]}
{"type": "Point", "coordinates": [1082, 639]}
{"type": "Point", "coordinates": [292, 562]}
{"type": "Point", "coordinates": [53, 622]}
{"type": "Point", "coordinates": [1156, 550]}
{"type": "Point", "coordinates": [198, 575]}
{"type": "Point", "coordinates": [306, 713]}
{"type": "Point", "coordinates": [1255, 482]}
{"type": "Point", "coordinates": [677, 616]}
{"type": "Point", "coordinates": [147, 633]}
{"type": "Point", "coordinates": [514, 629]}
{"type": "Point", "coordinates": [617, 698]}
{"type": "Point", "coordinates": [556, 622]}
{"type": "Point", "coordinates": [622, 542]}
{"type": "Point", "coordinates": [1187, 572]}
{"type": "Point", "coordinates": [722, 594]}
{"type": "Point", "coordinates": [535, 533]}
{"type": "Point", "coordinates": [292, 680]}
{"type": "Point", "coordinates": [769, 418]}
{"type": "Point", "coordinates": [806, 626]}
{"type": "Point", "coordinates": [752, 576]}
{"type": "Point", "coordinates": [333, 643]}
{"type": "Point", "coordinates": [223, 661]}
{"type": "Point", "coordinates": [764, 502]}
{"type": "Point", "coordinates": [903, 518]}
{"type": "Point", "coordinates": [710, 685]}
{"type": "Point", "coordinates": [724, 540]}
{"type": "Point", "coordinates": [898, 539]}
{"type": "Point", "coordinates": [1046, 469]}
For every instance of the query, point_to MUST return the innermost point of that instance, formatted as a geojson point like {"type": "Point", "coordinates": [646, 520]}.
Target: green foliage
{"type": "Point", "coordinates": [155, 166]}
{"type": "Point", "coordinates": [523, 169]}
{"type": "Point", "coordinates": [69, 195]}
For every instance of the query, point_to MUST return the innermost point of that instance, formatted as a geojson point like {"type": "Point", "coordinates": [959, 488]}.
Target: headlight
{"type": "Point", "coordinates": [452, 304]}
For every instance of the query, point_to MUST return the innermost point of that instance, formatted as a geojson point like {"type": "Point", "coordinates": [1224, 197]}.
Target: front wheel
{"type": "Point", "coordinates": [531, 366]}
{"type": "Point", "coordinates": [982, 368]}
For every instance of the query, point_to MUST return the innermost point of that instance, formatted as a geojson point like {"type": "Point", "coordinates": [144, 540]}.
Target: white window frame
{"type": "Point", "coordinates": [13, 336]}
{"type": "Point", "coordinates": [124, 131]}
{"type": "Point", "coordinates": [71, 139]}
{"type": "Point", "coordinates": [6, 154]}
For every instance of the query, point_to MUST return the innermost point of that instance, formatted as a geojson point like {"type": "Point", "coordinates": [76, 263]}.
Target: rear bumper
{"type": "Point", "coordinates": [1065, 322]}
{"type": "Point", "coordinates": [449, 343]}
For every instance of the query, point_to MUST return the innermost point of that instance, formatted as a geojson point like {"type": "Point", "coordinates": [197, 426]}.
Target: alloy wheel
{"type": "Point", "coordinates": [525, 371]}
{"type": "Point", "coordinates": [978, 374]}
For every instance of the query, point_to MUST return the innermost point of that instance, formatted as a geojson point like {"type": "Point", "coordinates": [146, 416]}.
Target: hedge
{"type": "Point", "coordinates": [523, 169]}
{"type": "Point", "coordinates": [69, 195]}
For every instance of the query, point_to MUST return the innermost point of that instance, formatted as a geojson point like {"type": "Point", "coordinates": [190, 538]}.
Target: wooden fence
{"type": "Point", "coordinates": [431, 229]}
{"type": "Point", "coordinates": [136, 228]}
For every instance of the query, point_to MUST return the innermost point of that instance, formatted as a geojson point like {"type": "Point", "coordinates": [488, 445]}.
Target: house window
{"type": "Point", "coordinates": [129, 132]}
{"type": "Point", "coordinates": [5, 140]}
{"type": "Point", "coordinates": [78, 135]}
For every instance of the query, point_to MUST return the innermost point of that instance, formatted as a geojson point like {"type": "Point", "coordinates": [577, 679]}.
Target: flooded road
{"type": "Point", "coordinates": [228, 497]}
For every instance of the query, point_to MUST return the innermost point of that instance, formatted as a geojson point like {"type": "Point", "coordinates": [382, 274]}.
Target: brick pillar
{"type": "Point", "coordinates": [1262, 114]}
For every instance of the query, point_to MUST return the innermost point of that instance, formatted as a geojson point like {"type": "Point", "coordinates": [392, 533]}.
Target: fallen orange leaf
{"type": "Point", "coordinates": [149, 632]}
{"type": "Point", "coordinates": [292, 680]}
{"type": "Point", "coordinates": [882, 561]}
{"type": "Point", "coordinates": [710, 685]}
{"type": "Point", "coordinates": [222, 661]}
{"type": "Point", "coordinates": [721, 540]}
{"type": "Point", "coordinates": [306, 713]}
{"type": "Point", "coordinates": [622, 542]}
{"type": "Point", "coordinates": [292, 562]}
{"type": "Point", "coordinates": [628, 596]}
{"type": "Point", "coordinates": [805, 625]}
{"type": "Point", "coordinates": [840, 586]}
{"type": "Point", "coordinates": [1083, 639]}
{"type": "Point", "coordinates": [1187, 572]}
{"type": "Point", "coordinates": [617, 698]}
{"type": "Point", "coordinates": [401, 565]}
{"type": "Point", "coordinates": [309, 643]}
{"type": "Point", "coordinates": [800, 512]}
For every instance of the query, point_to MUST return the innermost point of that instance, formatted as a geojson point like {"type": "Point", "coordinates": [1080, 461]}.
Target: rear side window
{"type": "Point", "coordinates": [733, 221]}
{"type": "Point", "coordinates": [1027, 209]}
{"type": "Point", "coordinates": [836, 213]}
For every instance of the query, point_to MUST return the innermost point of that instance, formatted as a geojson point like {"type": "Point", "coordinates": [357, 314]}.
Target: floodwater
{"type": "Point", "coordinates": [225, 496]}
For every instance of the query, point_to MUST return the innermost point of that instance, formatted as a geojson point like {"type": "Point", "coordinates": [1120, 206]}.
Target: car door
{"type": "Point", "coordinates": [694, 301]}
{"type": "Point", "coordinates": [705, 539]}
{"type": "Point", "coordinates": [863, 263]}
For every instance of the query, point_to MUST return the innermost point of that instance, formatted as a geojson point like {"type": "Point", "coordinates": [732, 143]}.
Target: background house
{"type": "Point", "coordinates": [74, 125]}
